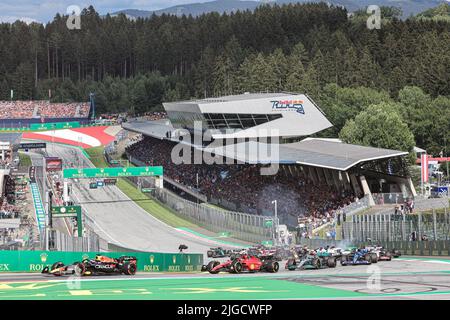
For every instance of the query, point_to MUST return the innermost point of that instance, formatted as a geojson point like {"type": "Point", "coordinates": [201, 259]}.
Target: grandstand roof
{"type": "Point", "coordinates": [154, 128]}
{"type": "Point", "coordinates": [237, 97]}
{"type": "Point", "coordinates": [316, 152]}
{"type": "Point", "coordinates": [311, 152]}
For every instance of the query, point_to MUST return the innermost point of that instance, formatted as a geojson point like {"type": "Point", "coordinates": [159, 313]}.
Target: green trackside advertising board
{"type": "Point", "coordinates": [66, 211]}
{"type": "Point", "coordinates": [35, 261]}
{"type": "Point", "coordinates": [54, 125]}
{"type": "Point", "coordinates": [69, 211]}
{"type": "Point", "coordinates": [113, 172]}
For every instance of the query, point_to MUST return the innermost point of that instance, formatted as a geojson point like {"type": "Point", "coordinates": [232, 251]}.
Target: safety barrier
{"type": "Point", "coordinates": [35, 261]}
{"type": "Point", "coordinates": [410, 248]}
{"type": "Point", "coordinates": [397, 227]}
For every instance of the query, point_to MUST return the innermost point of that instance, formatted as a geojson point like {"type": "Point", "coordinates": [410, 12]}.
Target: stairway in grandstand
{"type": "Point", "coordinates": [35, 111]}
{"type": "Point", "coordinates": [77, 111]}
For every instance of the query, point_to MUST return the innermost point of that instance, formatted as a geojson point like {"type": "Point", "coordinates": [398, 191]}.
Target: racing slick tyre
{"type": "Point", "coordinates": [129, 269]}
{"type": "Point", "coordinates": [368, 258]}
{"type": "Point", "coordinates": [211, 265]}
{"type": "Point", "coordinates": [232, 256]}
{"type": "Point", "coordinates": [209, 253]}
{"type": "Point", "coordinates": [237, 267]}
{"type": "Point", "coordinates": [374, 257]}
{"type": "Point", "coordinates": [344, 259]}
{"type": "Point", "coordinates": [291, 264]}
{"type": "Point", "coordinates": [396, 253]}
{"type": "Point", "coordinates": [272, 267]}
{"type": "Point", "coordinates": [331, 262]}
{"type": "Point", "coordinates": [316, 263]}
{"type": "Point", "coordinates": [79, 269]}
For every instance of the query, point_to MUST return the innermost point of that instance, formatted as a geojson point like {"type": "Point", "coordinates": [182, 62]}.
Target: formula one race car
{"type": "Point", "coordinates": [218, 252]}
{"type": "Point", "coordinates": [381, 252]}
{"type": "Point", "coordinates": [100, 265]}
{"type": "Point", "coordinates": [357, 257]}
{"type": "Point", "coordinates": [311, 260]}
{"type": "Point", "coordinates": [243, 263]}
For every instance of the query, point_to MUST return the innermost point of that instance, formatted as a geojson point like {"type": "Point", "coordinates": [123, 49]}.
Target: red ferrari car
{"type": "Point", "coordinates": [243, 263]}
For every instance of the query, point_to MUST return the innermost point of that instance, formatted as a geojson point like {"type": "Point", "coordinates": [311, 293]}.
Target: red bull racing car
{"type": "Point", "coordinates": [100, 265]}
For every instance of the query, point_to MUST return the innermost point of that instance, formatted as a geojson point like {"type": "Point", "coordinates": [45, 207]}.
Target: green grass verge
{"type": "Point", "coordinates": [25, 160]}
{"type": "Point", "coordinates": [151, 205]}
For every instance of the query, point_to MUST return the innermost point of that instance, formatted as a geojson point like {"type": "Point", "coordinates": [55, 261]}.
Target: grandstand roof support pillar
{"type": "Point", "coordinates": [355, 185]}
{"type": "Point", "coordinates": [313, 175]}
{"type": "Point", "coordinates": [337, 182]}
{"type": "Point", "coordinates": [347, 185]}
{"type": "Point", "coordinates": [320, 174]}
{"type": "Point", "coordinates": [366, 190]}
{"type": "Point", "coordinates": [328, 177]}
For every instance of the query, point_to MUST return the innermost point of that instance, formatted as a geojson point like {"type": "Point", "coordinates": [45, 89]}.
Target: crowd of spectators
{"type": "Point", "coordinates": [155, 115]}
{"type": "Point", "coordinates": [8, 209]}
{"type": "Point", "coordinates": [244, 186]}
{"type": "Point", "coordinates": [43, 109]}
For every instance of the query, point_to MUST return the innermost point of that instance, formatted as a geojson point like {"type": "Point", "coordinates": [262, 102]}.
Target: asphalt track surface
{"type": "Point", "coordinates": [119, 220]}
{"type": "Point", "coordinates": [403, 278]}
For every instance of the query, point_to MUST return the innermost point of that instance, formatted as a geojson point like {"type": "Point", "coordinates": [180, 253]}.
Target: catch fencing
{"type": "Point", "coordinates": [398, 227]}
{"type": "Point", "coordinates": [59, 241]}
{"type": "Point", "coordinates": [247, 227]}
{"type": "Point", "coordinates": [244, 226]}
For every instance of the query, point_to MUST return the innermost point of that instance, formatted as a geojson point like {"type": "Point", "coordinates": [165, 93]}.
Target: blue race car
{"type": "Point", "coordinates": [356, 257]}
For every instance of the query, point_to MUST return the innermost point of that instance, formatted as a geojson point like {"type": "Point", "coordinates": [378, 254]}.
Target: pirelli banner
{"type": "Point", "coordinates": [35, 261]}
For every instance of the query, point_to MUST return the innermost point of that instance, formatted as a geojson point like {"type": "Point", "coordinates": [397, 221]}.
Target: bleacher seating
{"type": "Point", "coordinates": [43, 109]}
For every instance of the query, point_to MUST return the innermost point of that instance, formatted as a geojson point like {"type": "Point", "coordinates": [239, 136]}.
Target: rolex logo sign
{"type": "Point", "coordinates": [152, 259]}
{"type": "Point", "coordinates": [85, 256]}
{"type": "Point", "coordinates": [189, 259]}
{"type": "Point", "coordinates": [174, 259]}
{"type": "Point", "coordinates": [43, 257]}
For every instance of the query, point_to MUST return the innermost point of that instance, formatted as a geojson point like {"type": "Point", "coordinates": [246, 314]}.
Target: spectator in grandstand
{"type": "Point", "coordinates": [243, 185]}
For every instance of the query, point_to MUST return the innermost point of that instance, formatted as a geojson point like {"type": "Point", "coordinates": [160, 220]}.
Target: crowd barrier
{"type": "Point", "coordinates": [410, 248]}
{"type": "Point", "coordinates": [35, 261]}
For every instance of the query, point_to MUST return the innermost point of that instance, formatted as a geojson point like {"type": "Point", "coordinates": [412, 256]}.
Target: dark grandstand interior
{"type": "Point", "coordinates": [242, 184]}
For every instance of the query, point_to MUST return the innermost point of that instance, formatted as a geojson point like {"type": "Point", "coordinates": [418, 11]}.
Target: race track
{"type": "Point", "coordinates": [119, 220]}
{"type": "Point", "coordinates": [403, 278]}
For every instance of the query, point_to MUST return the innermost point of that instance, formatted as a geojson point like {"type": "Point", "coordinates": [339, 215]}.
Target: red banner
{"type": "Point", "coordinates": [424, 167]}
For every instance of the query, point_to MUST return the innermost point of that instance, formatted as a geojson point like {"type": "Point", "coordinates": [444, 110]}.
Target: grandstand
{"type": "Point", "coordinates": [19, 114]}
{"type": "Point", "coordinates": [316, 177]}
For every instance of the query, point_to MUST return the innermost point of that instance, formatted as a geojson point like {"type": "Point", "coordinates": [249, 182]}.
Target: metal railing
{"type": "Point", "coordinates": [243, 226]}
{"type": "Point", "coordinates": [398, 227]}
{"type": "Point", "coordinates": [59, 241]}
{"type": "Point", "coordinates": [390, 198]}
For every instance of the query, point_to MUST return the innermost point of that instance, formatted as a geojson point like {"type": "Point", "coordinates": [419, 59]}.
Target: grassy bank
{"type": "Point", "coordinates": [25, 160]}
{"type": "Point", "coordinates": [151, 205]}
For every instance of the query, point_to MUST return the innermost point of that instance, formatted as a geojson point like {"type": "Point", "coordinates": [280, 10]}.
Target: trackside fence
{"type": "Point", "coordinates": [398, 227]}
{"type": "Point", "coordinates": [243, 226]}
